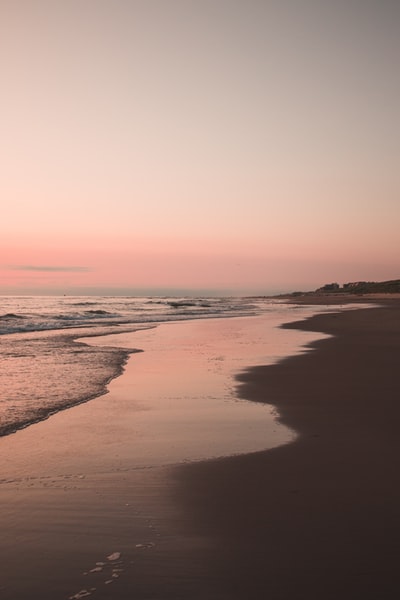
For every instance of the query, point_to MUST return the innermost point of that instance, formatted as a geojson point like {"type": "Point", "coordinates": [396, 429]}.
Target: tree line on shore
{"type": "Point", "coordinates": [363, 287]}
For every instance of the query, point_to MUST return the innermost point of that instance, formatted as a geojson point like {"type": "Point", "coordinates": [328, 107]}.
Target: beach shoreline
{"type": "Point", "coordinates": [319, 517]}
{"type": "Point", "coordinates": [96, 479]}
{"type": "Point", "coordinates": [315, 518]}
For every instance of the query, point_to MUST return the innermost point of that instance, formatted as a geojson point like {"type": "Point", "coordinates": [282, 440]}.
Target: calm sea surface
{"type": "Point", "coordinates": [44, 367]}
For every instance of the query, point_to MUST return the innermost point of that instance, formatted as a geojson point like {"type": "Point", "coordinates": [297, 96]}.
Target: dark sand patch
{"type": "Point", "coordinates": [320, 517]}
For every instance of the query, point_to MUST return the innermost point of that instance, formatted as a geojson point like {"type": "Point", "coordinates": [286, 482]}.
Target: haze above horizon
{"type": "Point", "coordinates": [214, 146]}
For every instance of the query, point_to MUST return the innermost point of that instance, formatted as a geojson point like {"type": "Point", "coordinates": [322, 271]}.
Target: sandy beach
{"type": "Point", "coordinates": [320, 517]}
{"type": "Point", "coordinates": [317, 518]}
{"type": "Point", "coordinates": [199, 300]}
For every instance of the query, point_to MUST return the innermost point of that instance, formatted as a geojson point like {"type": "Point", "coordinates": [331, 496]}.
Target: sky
{"type": "Point", "coordinates": [198, 146]}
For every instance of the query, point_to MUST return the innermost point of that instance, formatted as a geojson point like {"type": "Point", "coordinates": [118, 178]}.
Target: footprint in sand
{"type": "Point", "coordinates": [82, 594]}
{"type": "Point", "coordinates": [114, 562]}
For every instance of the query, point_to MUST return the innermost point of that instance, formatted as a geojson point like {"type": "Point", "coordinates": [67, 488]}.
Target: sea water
{"type": "Point", "coordinates": [45, 367]}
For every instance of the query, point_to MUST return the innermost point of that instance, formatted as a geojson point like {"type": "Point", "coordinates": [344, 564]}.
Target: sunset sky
{"type": "Point", "coordinates": [225, 146]}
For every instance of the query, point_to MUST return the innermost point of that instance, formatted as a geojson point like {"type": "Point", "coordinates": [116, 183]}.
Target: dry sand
{"type": "Point", "coordinates": [318, 518]}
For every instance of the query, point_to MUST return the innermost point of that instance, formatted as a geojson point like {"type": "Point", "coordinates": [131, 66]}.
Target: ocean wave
{"type": "Point", "coordinates": [181, 303]}
{"type": "Point", "coordinates": [46, 314]}
{"type": "Point", "coordinates": [85, 303]}
{"type": "Point", "coordinates": [44, 370]}
{"type": "Point", "coordinates": [62, 373]}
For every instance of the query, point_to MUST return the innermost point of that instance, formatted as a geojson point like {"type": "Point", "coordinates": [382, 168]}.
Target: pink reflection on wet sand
{"type": "Point", "coordinates": [181, 390]}
{"type": "Point", "coordinates": [175, 402]}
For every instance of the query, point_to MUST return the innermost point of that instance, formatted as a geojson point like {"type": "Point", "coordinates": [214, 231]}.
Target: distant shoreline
{"type": "Point", "coordinates": [316, 298]}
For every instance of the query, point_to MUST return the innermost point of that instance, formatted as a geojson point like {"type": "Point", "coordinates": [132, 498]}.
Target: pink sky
{"type": "Point", "coordinates": [228, 146]}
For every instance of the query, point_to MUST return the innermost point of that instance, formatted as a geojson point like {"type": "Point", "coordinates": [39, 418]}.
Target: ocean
{"type": "Point", "coordinates": [45, 367]}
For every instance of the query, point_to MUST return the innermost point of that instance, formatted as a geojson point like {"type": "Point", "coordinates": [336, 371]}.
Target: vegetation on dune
{"type": "Point", "coordinates": [363, 287]}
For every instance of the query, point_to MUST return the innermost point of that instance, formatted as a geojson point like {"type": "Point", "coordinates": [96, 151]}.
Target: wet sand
{"type": "Point", "coordinates": [318, 518]}
{"type": "Point", "coordinates": [96, 481]}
